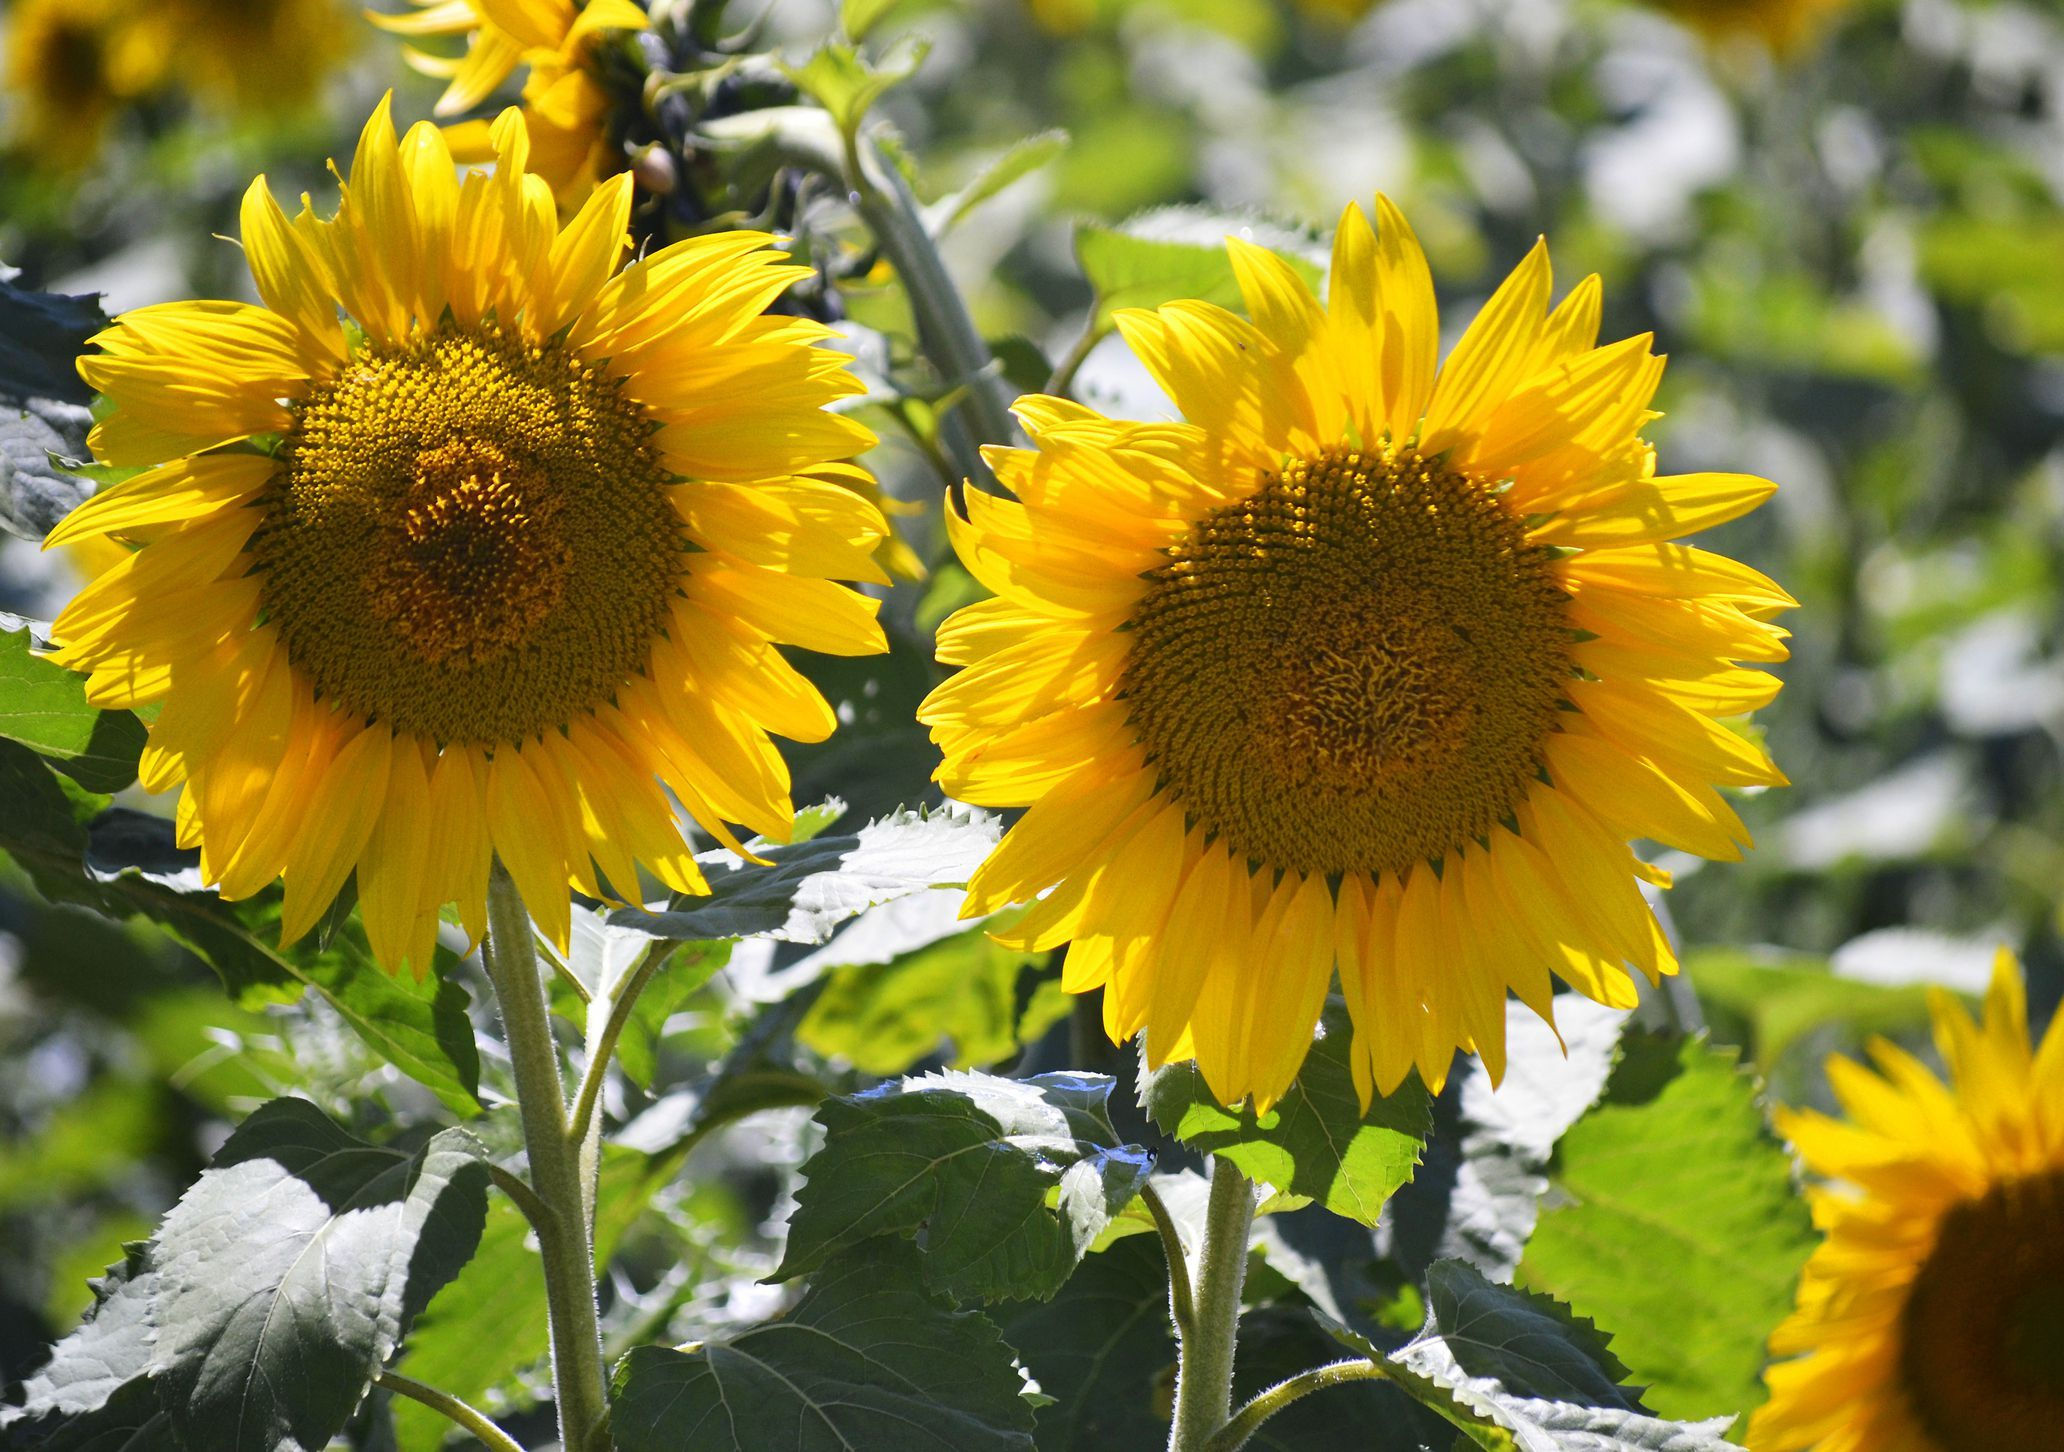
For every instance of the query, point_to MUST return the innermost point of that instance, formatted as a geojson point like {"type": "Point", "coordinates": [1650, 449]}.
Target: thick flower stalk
{"type": "Point", "coordinates": [1364, 662]}
{"type": "Point", "coordinates": [1931, 1319]}
{"type": "Point", "coordinates": [487, 574]}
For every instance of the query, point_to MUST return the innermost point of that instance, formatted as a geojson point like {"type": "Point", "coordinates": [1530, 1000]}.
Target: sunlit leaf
{"type": "Point", "coordinates": [43, 706]}
{"type": "Point", "coordinates": [1318, 1142]}
{"type": "Point", "coordinates": [866, 1359]}
{"type": "Point", "coordinates": [1005, 1182]}
{"type": "Point", "coordinates": [1675, 1167]}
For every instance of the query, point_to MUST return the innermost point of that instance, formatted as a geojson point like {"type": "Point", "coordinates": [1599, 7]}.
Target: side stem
{"type": "Point", "coordinates": [1247, 1421]}
{"type": "Point", "coordinates": [565, 1234]}
{"type": "Point", "coordinates": [1204, 1366]}
{"type": "Point", "coordinates": [470, 1418]}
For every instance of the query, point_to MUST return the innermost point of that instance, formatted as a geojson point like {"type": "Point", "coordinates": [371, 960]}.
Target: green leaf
{"type": "Point", "coordinates": [1787, 1013]}
{"type": "Point", "coordinates": [1014, 165]}
{"type": "Point", "coordinates": [500, 1288]}
{"type": "Point", "coordinates": [1176, 252]}
{"type": "Point", "coordinates": [43, 819]}
{"type": "Point", "coordinates": [847, 84]}
{"type": "Point", "coordinates": [1476, 1197]}
{"type": "Point", "coordinates": [1528, 1363]}
{"type": "Point", "coordinates": [421, 1027]}
{"type": "Point", "coordinates": [95, 1384]}
{"type": "Point", "coordinates": [1316, 1143]}
{"type": "Point", "coordinates": [809, 888]}
{"type": "Point", "coordinates": [271, 1295]}
{"type": "Point", "coordinates": [1406, 1415]}
{"type": "Point", "coordinates": [866, 1359]}
{"type": "Point", "coordinates": [290, 1271]}
{"type": "Point", "coordinates": [1006, 1182]}
{"type": "Point", "coordinates": [43, 706]}
{"type": "Point", "coordinates": [41, 337]}
{"type": "Point", "coordinates": [858, 17]}
{"type": "Point", "coordinates": [1101, 1349]}
{"type": "Point", "coordinates": [687, 968]}
{"type": "Point", "coordinates": [1675, 1167]}
{"type": "Point", "coordinates": [883, 1017]}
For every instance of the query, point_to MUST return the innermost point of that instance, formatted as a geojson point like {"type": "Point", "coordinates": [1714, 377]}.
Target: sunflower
{"type": "Point", "coordinates": [483, 572]}
{"type": "Point", "coordinates": [71, 64]}
{"type": "Point", "coordinates": [1786, 26]}
{"type": "Point", "coordinates": [567, 109]}
{"type": "Point", "coordinates": [1931, 1319]}
{"type": "Point", "coordinates": [1365, 663]}
{"type": "Point", "coordinates": [210, 46]}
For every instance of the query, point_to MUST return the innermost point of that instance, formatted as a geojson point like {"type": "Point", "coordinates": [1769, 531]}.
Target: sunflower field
{"type": "Point", "coordinates": [1031, 725]}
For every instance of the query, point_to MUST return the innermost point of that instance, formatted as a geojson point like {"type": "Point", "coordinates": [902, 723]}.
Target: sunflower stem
{"type": "Point", "coordinates": [565, 1231]}
{"type": "Point", "coordinates": [1236, 1433]}
{"type": "Point", "coordinates": [459, 1413]}
{"type": "Point", "coordinates": [1181, 1304]}
{"type": "Point", "coordinates": [946, 331]}
{"type": "Point", "coordinates": [1204, 1364]}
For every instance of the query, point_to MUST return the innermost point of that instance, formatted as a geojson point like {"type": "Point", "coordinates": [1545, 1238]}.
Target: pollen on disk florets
{"type": "Point", "coordinates": [1353, 668]}
{"type": "Point", "coordinates": [471, 541]}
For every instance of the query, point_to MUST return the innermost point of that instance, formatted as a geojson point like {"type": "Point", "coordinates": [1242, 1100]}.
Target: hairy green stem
{"type": "Point", "coordinates": [471, 1419]}
{"type": "Point", "coordinates": [608, 1016]}
{"type": "Point", "coordinates": [1204, 1365]}
{"type": "Point", "coordinates": [1181, 1304]}
{"type": "Point", "coordinates": [1062, 380]}
{"type": "Point", "coordinates": [565, 1235]}
{"type": "Point", "coordinates": [1247, 1421]}
{"type": "Point", "coordinates": [946, 331]}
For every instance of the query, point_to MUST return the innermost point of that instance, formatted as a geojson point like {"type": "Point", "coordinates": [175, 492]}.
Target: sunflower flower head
{"type": "Point", "coordinates": [564, 103]}
{"type": "Point", "coordinates": [71, 64]}
{"type": "Point", "coordinates": [1787, 27]}
{"type": "Point", "coordinates": [247, 57]}
{"type": "Point", "coordinates": [488, 573]}
{"type": "Point", "coordinates": [1365, 663]}
{"type": "Point", "coordinates": [1931, 1318]}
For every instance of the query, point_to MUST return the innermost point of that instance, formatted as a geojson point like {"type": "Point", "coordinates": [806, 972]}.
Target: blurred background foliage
{"type": "Point", "coordinates": [1842, 220]}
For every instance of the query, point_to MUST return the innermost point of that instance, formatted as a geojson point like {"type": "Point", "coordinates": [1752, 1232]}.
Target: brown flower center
{"type": "Point", "coordinates": [472, 540]}
{"type": "Point", "coordinates": [1982, 1344]}
{"type": "Point", "coordinates": [1352, 669]}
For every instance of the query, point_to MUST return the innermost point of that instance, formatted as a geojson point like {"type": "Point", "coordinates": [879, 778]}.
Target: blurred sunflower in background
{"type": "Point", "coordinates": [565, 108]}
{"type": "Point", "coordinates": [1931, 1319]}
{"type": "Point", "coordinates": [485, 573]}
{"type": "Point", "coordinates": [1785, 26]}
{"type": "Point", "coordinates": [71, 66]}
{"type": "Point", "coordinates": [1367, 663]}
{"type": "Point", "coordinates": [214, 48]}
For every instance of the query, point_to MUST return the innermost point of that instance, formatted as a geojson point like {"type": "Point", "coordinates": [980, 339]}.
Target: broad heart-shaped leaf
{"type": "Point", "coordinates": [1318, 1142]}
{"type": "Point", "coordinates": [499, 1290]}
{"type": "Point", "coordinates": [1527, 1363]}
{"type": "Point", "coordinates": [866, 1360]}
{"type": "Point", "coordinates": [289, 1272]}
{"type": "Point", "coordinates": [43, 706]}
{"type": "Point", "coordinates": [807, 889]}
{"type": "Point", "coordinates": [128, 863]}
{"type": "Point", "coordinates": [95, 1390]}
{"type": "Point", "coordinates": [36, 490]}
{"type": "Point", "coordinates": [1476, 1197]}
{"type": "Point", "coordinates": [1675, 1167]}
{"type": "Point", "coordinates": [1007, 1182]}
{"type": "Point", "coordinates": [42, 335]}
{"type": "Point", "coordinates": [1101, 1349]}
{"type": "Point", "coordinates": [883, 1017]}
{"type": "Point", "coordinates": [1176, 252]}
